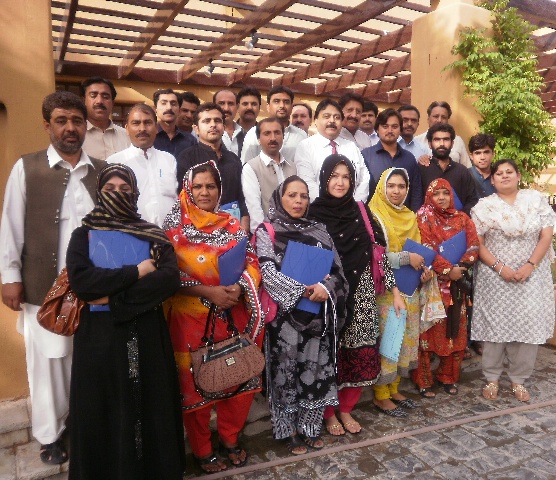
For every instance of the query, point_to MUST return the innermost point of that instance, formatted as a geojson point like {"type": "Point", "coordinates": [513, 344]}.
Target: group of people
{"type": "Point", "coordinates": [354, 188]}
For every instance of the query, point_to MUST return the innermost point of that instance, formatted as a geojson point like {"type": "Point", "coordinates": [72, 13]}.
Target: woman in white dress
{"type": "Point", "coordinates": [514, 297]}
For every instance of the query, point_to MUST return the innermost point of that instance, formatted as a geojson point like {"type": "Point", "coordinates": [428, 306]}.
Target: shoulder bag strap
{"type": "Point", "coordinates": [366, 220]}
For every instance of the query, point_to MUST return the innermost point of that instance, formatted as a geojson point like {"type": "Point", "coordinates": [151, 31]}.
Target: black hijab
{"type": "Point", "coordinates": [118, 210]}
{"type": "Point", "coordinates": [343, 219]}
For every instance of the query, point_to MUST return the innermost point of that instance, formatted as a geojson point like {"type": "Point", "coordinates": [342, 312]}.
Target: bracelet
{"type": "Point", "coordinates": [535, 265]}
{"type": "Point", "coordinates": [494, 266]}
{"type": "Point", "coordinates": [501, 268]}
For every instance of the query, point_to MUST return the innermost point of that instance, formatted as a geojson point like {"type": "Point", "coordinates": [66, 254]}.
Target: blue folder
{"type": "Point", "coordinates": [457, 202]}
{"type": "Point", "coordinates": [307, 265]}
{"type": "Point", "coordinates": [407, 278]}
{"type": "Point", "coordinates": [114, 249]}
{"type": "Point", "coordinates": [392, 337]}
{"type": "Point", "coordinates": [454, 248]}
{"type": "Point", "coordinates": [232, 208]}
{"type": "Point", "coordinates": [232, 263]}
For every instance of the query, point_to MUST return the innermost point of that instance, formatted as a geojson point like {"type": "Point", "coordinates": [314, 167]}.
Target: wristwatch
{"type": "Point", "coordinates": [446, 271]}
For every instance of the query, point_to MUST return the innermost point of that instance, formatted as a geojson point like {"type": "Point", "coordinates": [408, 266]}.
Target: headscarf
{"type": "Point", "coordinates": [343, 219]}
{"type": "Point", "coordinates": [398, 221]}
{"type": "Point", "coordinates": [118, 210]}
{"type": "Point", "coordinates": [431, 209]}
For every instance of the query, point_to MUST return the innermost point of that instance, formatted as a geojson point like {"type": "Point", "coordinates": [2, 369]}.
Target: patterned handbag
{"type": "Point", "coordinates": [378, 253]}
{"type": "Point", "coordinates": [61, 308]}
{"type": "Point", "coordinates": [229, 363]}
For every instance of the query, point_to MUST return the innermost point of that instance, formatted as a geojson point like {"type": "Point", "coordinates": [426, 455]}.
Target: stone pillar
{"type": "Point", "coordinates": [433, 37]}
{"type": "Point", "coordinates": [27, 77]}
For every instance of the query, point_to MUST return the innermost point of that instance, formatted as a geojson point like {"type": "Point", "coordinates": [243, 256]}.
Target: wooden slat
{"type": "Point", "coordinates": [252, 21]}
{"type": "Point", "coordinates": [538, 12]}
{"type": "Point", "coordinates": [68, 18]}
{"type": "Point", "coordinates": [355, 16]}
{"type": "Point", "coordinates": [163, 18]}
{"type": "Point", "coordinates": [382, 44]}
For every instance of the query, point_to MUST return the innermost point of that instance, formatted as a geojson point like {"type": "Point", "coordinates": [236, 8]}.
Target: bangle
{"type": "Point", "coordinates": [501, 268]}
{"type": "Point", "coordinates": [494, 266]}
{"type": "Point", "coordinates": [535, 265]}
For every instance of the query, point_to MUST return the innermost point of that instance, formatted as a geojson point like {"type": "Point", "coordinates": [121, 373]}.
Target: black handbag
{"type": "Point", "coordinates": [231, 363]}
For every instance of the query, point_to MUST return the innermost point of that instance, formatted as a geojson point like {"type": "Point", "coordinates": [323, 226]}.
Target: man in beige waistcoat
{"type": "Point", "coordinates": [47, 194]}
{"type": "Point", "coordinates": [262, 174]}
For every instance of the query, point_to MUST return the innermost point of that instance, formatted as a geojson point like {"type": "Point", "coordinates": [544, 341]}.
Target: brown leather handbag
{"type": "Point", "coordinates": [61, 308]}
{"type": "Point", "coordinates": [229, 363]}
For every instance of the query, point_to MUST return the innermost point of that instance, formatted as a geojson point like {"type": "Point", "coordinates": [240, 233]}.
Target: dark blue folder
{"type": "Point", "coordinates": [232, 263]}
{"type": "Point", "coordinates": [114, 249]}
{"type": "Point", "coordinates": [307, 265]}
{"type": "Point", "coordinates": [457, 202]}
{"type": "Point", "coordinates": [454, 248]}
{"type": "Point", "coordinates": [407, 278]}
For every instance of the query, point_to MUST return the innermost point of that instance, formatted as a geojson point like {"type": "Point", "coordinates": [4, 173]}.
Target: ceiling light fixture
{"type": "Point", "coordinates": [250, 44]}
{"type": "Point", "coordinates": [210, 69]}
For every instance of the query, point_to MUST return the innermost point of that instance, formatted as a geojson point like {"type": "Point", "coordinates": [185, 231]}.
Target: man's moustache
{"type": "Point", "coordinates": [169, 112]}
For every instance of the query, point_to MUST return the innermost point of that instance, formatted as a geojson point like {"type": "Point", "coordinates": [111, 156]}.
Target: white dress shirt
{"type": "Point", "coordinates": [101, 145]}
{"type": "Point", "coordinates": [75, 205]}
{"type": "Point", "coordinates": [231, 143]}
{"type": "Point", "coordinates": [252, 188]}
{"type": "Point", "coordinates": [156, 178]}
{"type": "Point", "coordinates": [361, 139]}
{"type": "Point", "coordinates": [458, 154]}
{"type": "Point", "coordinates": [292, 136]}
{"type": "Point", "coordinates": [310, 155]}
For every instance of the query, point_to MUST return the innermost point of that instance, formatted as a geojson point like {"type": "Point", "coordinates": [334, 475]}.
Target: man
{"type": "Point", "coordinates": [169, 137]}
{"type": "Point", "coordinates": [262, 174]}
{"type": "Point", "coordinates": [311, 152]}
{"type": "Point", "coordinates": [208, 123]}
{"type": "Point", "coordinates": [47, 194]}
{"type": "Point", "coordinates": [280, 100]}
{"type": "Point", "coordinates": [189, 103]}
{"type": "Point", "coordinates": [410, 122]}
{"type": "Point", "coordinates": [387, 154]}
{"type": "Point", "coordinates": [352, 107]}
{"type": "Point", "coordinates": [302, 116]}
{"type": "Point", "coordinates": [481, 148]}
{"type": "Point", "coordinates": [441, 139]}
{"type": "Point", "coordinates": [104, 137]}
{"type": "Point", "coordinates": [233, 133]}
{"type": "Point", "coordinates": [248, 107]}
{"type": "Point", "coordinates": [154, 169]}
{"type": "Point", "coordinates": [368, 120]}
{"type": "Point", "coordinates": [440, 112]}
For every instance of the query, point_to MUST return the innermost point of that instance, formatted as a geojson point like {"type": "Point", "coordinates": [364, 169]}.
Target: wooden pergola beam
{"type": "Point", "coordinates": [381, 44]}
{"type": "Point", "coordinates": [252, 21]}
{"type": "Point", "coordinates": [64, 35]}
{"type": "Point", "coordinates": [163, 18]}
{"type": "Point", "coordinates": [538, 12]}
{"type": "Point", "coordinates": [351, 18]}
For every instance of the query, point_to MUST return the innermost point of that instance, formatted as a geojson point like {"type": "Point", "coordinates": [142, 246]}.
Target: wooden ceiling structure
{"type": "Point", "coordinates": [315, 47]}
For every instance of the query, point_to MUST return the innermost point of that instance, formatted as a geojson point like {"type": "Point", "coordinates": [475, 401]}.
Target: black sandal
{"type": "Point", "coordinates": [450, 388]}
{"type": "Point", "coordinates": [425, 392]}
{"type": "Point", "coordinates": [312, 441]}
{"type": "Point", "coordinates": [210, 460]}
{"type": "Point", "coordinates": [296, 442]}
{"type": "Point", "coordinates": [54, 453]}
{"type": "Point", "coordinates": [236, 450]}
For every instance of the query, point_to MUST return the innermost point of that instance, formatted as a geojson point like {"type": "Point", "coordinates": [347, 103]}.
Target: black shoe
{"type": "Point", "coordinates": [54, 453]}
{"type": "Point", "coordinates": [406, 403]}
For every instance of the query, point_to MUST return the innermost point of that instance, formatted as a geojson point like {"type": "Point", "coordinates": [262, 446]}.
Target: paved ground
{"type": "Point", "coordinates": [463, 437]}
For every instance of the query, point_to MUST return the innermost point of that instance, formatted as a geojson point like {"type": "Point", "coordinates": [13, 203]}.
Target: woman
{"type": "Point", "coordinates": [400, 224]}
{"type": "Point", "coordinates": [358, 356]}
{"type": "Point", "coordinates": [124, 400]}
{"type": "Point", "coordinates": [299, 346]}
{"type": "Point", "coordinates": [514, 296]}
{"type": "Point", "coordinates": [200, 234]}
{"type": "Point", "coordinates": [439, 221]}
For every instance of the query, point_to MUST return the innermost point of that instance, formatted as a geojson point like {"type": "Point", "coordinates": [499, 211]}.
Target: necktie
{"type": "Point", "coordinates": [333, 144]}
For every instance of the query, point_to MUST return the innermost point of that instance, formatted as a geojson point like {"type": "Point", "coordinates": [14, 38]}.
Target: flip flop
{"type": "Point", "coordinates": [236, 450]}
{"type": "Point", "coordinates": [54, 453]}
{"type": "Point", "coordinates": [294, 443]}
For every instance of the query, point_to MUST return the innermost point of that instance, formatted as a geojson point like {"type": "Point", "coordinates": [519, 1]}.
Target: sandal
{"type": "Point", "coordinates": [54, 453]}
{"type": "Point", "coordinates": [520, 392]}
{"type": "Point", "coordinates": [351, 425]}
{"type": "Point", "coordinates": [467, 353]}
{"type": "Point", "coordinates": [315, 443]}
{"type": "Point", "coordinates": [393, 412]}
{"type": "Point", "coordinates": [335, 429]}
{"type": "Point", "coordinates": [236, 451]}
{"type": "Point", "coordinates": [427, 392]}
{"type": "Point", "coordinates": [211, 461]}
{"type": "Point", "coordinates": [295, 443]}
{"type": "Point", "coordinates": [406, 403]}
{"type": "Point", "coordinates": [490, 391]}
{"type": "Point", "coordinates": [450, 388]}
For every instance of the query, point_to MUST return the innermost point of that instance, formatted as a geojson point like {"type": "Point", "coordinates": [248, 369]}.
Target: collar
{"type": "Point", "coordinates": [476, 171]}
{"type": "Point", "coordinates": [380, 147]}
{"type": "Point", "coordinates": [55, 159]}
{"type": "Point", "coordinates": [322, 141]}
{"type": "Point", "coordinates": [401, 139]}
{"type": "Point", "coordinates": [141, 153]}
{"type": "Point", "coordinates": [267, 160]}
{"type": "Point", "coordinates": [90, 126]}
{"type": "Point", "coordinates": [434, 160]}
{"type": "Point", "coordinates": [178, 131]}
